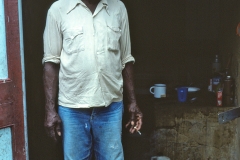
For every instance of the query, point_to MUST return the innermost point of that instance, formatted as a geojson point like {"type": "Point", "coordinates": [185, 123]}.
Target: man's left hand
{"type": "Point", "coordinates": [135, 115]}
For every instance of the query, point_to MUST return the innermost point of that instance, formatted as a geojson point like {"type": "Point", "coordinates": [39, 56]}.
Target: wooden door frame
{"type": "Point", "coordinates": [13, 95]}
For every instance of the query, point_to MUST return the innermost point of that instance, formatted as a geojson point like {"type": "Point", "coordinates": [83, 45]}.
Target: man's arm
{"type": "Point", "coordinates": [135, 115]}
{"type": "Point", "coordinates": [52, 119]}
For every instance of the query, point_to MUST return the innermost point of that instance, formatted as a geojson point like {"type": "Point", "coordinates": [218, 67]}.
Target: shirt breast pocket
{"type": "Point", "coordinates": [73, 41]}
{"type": "Point", "coordinates": [114, 34]}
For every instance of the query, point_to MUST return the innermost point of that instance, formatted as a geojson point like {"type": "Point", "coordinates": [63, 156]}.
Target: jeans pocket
{"type": "Point", "coordinates": [114, 106]}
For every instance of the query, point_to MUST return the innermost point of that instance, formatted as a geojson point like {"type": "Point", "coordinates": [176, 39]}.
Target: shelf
{"type": "Point", "coordinates": [198, 99]}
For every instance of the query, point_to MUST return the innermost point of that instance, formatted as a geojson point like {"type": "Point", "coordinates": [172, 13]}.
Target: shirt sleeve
{"type": "Point", "coordinates": [125, 42]}
{"type": "Point", "coordinates": [52, 39]}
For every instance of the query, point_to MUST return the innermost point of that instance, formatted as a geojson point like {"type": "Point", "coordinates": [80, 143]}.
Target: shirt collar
{"type": "Point", "coordinates": [73, 3]}
{"type": "Point", "coordinates": [104, 2]}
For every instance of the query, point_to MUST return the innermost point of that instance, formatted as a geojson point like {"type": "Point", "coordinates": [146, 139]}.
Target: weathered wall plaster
{"type": "Point", "coordinates": [184, 133]}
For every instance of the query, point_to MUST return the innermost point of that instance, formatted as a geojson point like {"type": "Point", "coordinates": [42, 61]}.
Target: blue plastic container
{"type": "Point", "coordinates": [182, 94]}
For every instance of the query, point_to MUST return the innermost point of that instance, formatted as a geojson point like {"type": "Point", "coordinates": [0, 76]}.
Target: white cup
{"type": "Point", "coordinates": [159, 90]}
{"type": "Point", "coordinates": [160, 158]}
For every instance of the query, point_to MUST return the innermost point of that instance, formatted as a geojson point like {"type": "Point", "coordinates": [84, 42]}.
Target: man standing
{"type": "Point", "coordinates": [88, 62]}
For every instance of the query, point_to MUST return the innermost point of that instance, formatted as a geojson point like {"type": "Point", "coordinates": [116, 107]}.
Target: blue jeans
{"type": "Point", "coordinates": [92, 131]}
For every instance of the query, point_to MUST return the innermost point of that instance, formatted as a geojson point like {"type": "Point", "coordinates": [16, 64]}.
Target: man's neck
{"type": "Point", "coordinates": [92, 2]}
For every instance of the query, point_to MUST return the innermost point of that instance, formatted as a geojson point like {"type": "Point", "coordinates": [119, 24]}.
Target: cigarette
{"type": "Point", "coordinates": [138, 131]}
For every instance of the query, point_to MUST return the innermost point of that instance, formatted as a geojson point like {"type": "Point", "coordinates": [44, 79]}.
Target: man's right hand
{"type": "Point", "coordinates": [53, 125]}
{"type": "Point", "coordinates": [52, 120]}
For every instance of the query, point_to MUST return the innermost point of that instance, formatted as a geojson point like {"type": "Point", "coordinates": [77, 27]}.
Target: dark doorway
{"type": "Point", "coordinates": [40, 146]}
{"type": "Point", "coordinates": [165, 42]}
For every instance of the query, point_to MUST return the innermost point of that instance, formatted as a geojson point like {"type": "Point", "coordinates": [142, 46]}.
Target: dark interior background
{"type": "Point", "coordinates": [174, 42]}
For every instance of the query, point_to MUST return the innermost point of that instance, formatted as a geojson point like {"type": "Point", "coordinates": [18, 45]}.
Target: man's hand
{"type": "Point", "coordinates": [135, 115]}
{"type": "Point", "coordinates": [53, 125]}
{"type": "Point", "coordinates": [50, 80]}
